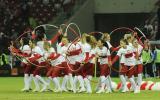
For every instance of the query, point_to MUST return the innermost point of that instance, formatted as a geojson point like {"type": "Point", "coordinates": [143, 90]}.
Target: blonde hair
{"type": "Point", "coordinates": [105, 36]}
{"type": "Point", "coordinates": [93, 41]}
{"type": "Point", "coordinates": [83, 38]}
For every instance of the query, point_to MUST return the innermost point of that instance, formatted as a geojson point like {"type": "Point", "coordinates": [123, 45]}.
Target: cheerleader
{"type": "Point", "coordinates": [88, 62]}
{"type": "Point", "coordinates": [108, 45]}
{"type": "Point", "coordinates": [104, 61]}
{"type": "Point", "coordinates": [26, 50]}
{"type": "Point", "coordinates": [80, 62]}
{"type": "Point", "coordinates": [139, 67]}
{"type": "Point", "coordinates": [47, 51]}
{"type": "Point", "coordinates": [89, 72]}
{"type": "Point", "coordinates": [68, 50]}
{"type": "Point", "coordinates": [130, 61]}
{"type": "Point", "coordinates": [37, 60]}
{"type": "Point", "coordinates": [56, 60]}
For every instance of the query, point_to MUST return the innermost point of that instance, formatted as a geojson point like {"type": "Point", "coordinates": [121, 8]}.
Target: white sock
{"type": "Point", "coordinates": [64, 82]}
{"type": "Point", "coordinates": [103, 78]}
{"type": "Point", "coordinates": [126, 77]}
{"type": "Point", "coordinates": [98, 84]}
{"type": "Point", "coordinates": [88, 85]}
{"type": "Point", "coordinates": [30, 80]}
{"type": "Point", "coordinates": [110, 81]}
{"type": "Point", "coordinates": [26, 81]}
{"type": "Point", "coordinates": [41, 79]}
{"type": "Point", "coordinates": [36, 82]}
{"type": "Point", "coordinates": [139, 80]}
{"type": "Point", "coordinates": [56, 81]}
{"type": "Point", "coordinates": [75, 80]}
{"type": "Point", "coordinates": [73, 87]}
{"type": "Point", "coordinates": [108, 84]}
{"type": "Point", "coordinates": [48, 80]}
{"type": "Point", "coordinates": [123, 80]}
{"type": "Point", "coordinates": [81, 81]}
{"type": "Point", "coordinates": [133, 83]}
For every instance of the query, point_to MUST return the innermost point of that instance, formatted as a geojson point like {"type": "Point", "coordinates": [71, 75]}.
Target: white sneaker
{"type": "Point", "coordinates": [44, 88]}
{"type": "Point", "coordinates": [88, 92]}
{"type": "Point", "coordinates": [108, 91]}
{"type": "Point", "coordinates": [58, 90]}
{"type": "Point", "coordinates": [124, 90]}
{"type": "Point", "coordinates": [97, 88]}
{"type": "Point", "coordinates": [64, 89]}
{"type": "Point", "coordinates": [25, 90]}
{"type": "Point", "coordinates": [82, 90]}
{"type": "Point", "coordinates": [36, 90]}
{"type": "Point", "coordinates": [127, 90]}
{"type": "Point", "coordinates": [49, 90]}
{"type": "Point", "coordinates": [131, 89]}
{"type": "Point", "coordinates": [74, 91]}
{"type": "Point", "coordinates": [100, 91]}
{"type": "Point", "coordinates": [136, 91]}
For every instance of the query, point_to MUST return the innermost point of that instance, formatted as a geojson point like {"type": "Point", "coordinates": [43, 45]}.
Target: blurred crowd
{"type": "Point", "coordinates": [17, 16]}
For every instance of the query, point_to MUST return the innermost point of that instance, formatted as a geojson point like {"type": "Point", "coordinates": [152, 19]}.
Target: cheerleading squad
{"type": "Point", "coordinates": [76, 61]}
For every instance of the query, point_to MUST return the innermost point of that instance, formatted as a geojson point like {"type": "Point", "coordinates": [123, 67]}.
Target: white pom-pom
{"type": "Point", "coordinates": [114, 85]}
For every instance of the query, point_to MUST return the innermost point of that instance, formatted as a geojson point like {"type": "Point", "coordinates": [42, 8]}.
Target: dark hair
{"type": "Point", "coordinates": [40, 36]}
{"type": "Point", "coordinates": [25, 41]}
{"type": "Point", "coordinates": [88, 39]}
{"type": "Point", "coordinates": [60, 38]}
{"type": "Point", "coordinates": [40, 30]}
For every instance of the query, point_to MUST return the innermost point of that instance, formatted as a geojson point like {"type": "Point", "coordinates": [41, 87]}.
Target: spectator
{"type": "Point", "coordinates": [147, 60]}
{"type": "Point", "coordinates": [155, 30]}
{"type": "Point", "coordinates": [148, 29]}
{"type": "Point", "coordinates": [157, 61]}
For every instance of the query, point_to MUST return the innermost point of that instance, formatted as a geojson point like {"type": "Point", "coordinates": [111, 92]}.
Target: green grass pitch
{"type": "Point", "coordinates": [10, 90]}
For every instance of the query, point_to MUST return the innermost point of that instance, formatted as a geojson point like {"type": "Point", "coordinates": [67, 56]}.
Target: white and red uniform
{"type": "Point", "coordinates": [66, 49]}
{"type": "Point", "coordinates": [87, 56]}
{"type": "Point", "coordinates": [59, 47]}
{"type": "Point", "coordinates": [139, 61]}
{"type": "Point", "coordinates": [37, 59]}
{"type": "Point", "coordinates": [71, 52]}
{"type": "Point", "coordinates": [130, 60]}
{"type": "Point", "coordinates": [25, 52]}
{"type": "Point", "coordinates": [41, 44]}
{"type": "Point", "coordinates": [45, 57]}
{"type": "Point", "coordinates": [104, 58]}
{"type": "Point", "coordinates": [58, 63]}
{"type": "Point", "coordinates": [89, 69]}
